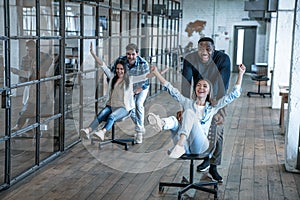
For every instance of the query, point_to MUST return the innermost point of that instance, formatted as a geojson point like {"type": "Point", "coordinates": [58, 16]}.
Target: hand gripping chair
{"type": "Point", "coordinates": [123, 142]}
{"type": "Point", "coordinates": [186, 184]}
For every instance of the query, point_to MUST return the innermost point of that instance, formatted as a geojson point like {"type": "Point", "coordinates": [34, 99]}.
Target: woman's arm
{"type": "Point", "coordinates": [236, 91]}
{"type": "Point", "coordinates": [158, 75]}
{"type": "Point", "coordinates": [104, 67]}
{"type": "Point", "coordinates": [242, 70]}
{"type": "Point", "coordinates": [95, 56]}
{"type": "Point", "coordinates": [174, 92]}
{"type": "Point", "coordinates": [143, 77]}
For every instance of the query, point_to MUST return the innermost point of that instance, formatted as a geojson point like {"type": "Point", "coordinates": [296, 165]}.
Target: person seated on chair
{"type": "Point", "coordinates": [190, 137]}
{"type": "Point", "coordinates": [120, 98]}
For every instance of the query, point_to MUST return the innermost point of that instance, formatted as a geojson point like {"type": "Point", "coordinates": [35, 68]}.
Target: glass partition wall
{"type": "Point", "coordinates": [50, 85]}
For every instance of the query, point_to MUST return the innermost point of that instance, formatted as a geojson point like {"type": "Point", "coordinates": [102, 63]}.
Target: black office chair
{"type": "Point", "coordinates": [123, 142]}
{"type": "Point", "coordinates": [190, 184]}
{"type": "Point", "coordinates": [259, 78]}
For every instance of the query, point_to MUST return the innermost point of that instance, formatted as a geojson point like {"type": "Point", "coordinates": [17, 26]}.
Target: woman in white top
{"type": "Point", "coordinates": [198, 113]}
{"type": "Point", "coordinates": [120, 98]}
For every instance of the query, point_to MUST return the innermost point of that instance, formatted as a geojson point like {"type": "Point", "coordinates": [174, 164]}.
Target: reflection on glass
{"type": "Point", "coordinates": [72, 19]}
{"type": "Point", "coordinates": [29, 20]}
{"type": "Point", "coordinates": [1, 71]}
{"type": "Point", "coordinates": [22, 153]}
{"type": "Point", "coordinates": [27, 71]}
{"type": "Point", "coordinates": [2, 162]}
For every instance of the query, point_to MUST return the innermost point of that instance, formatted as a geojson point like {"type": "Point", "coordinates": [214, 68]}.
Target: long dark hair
{"type": "Point", "coordinates": [115, 78]}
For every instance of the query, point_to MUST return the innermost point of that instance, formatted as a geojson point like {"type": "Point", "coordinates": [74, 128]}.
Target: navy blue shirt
{"type": "Point", "coordinates": [217, 71]}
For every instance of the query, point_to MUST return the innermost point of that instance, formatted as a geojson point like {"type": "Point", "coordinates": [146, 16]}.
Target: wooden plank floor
{"type": "Point", "coordinates": [252, 163]}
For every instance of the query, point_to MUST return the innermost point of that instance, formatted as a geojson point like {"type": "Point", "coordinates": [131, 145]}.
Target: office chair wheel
{"type": "Point", "coordinates": [180, 197]}
{"type": "Point", "coordinates": [160, 189]}
{"type": "Point", "coordinates": [126, 147]}
{"type": "Point", "coordinates": [184, 180]}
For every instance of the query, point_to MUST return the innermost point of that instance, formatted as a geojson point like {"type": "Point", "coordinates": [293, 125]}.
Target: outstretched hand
{"type": "Point", "coordinates": [151, 74]}
{"type": "Point", "coordinates": [242, 68]}
{"type": "Point", "coordinates": [98, 60]}
{"type": "Point", "coordinates": [91, 48]}
{"type": "Point", "coordinates": [153, 69]}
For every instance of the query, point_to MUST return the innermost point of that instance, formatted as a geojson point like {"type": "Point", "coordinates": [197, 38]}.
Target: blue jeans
{"type": "Point", "coordinates": [106, 114]}
{"type": "Point", "coordinates": [138, 113]}
{"type": "Point", "coordinates": [196, 141]}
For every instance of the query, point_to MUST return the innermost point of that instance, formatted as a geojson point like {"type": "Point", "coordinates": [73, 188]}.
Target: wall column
{"type": "Point", "coordinates": [282, 57]}
{"type": "Point", "coordinates": [292, 151]}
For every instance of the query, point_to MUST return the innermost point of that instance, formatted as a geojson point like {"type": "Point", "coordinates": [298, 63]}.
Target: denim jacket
{"type": "Point", "coordinates": [209, 110]}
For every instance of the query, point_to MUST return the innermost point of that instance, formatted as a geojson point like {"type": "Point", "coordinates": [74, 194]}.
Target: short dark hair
{"type": "Point", "coordinates": [206, 39]}
{"type": "Point", "coordinates": [30, 44]}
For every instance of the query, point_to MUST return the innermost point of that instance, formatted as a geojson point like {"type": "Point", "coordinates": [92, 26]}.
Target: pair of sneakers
{"type": "Point", "coordinates": [85, 134]}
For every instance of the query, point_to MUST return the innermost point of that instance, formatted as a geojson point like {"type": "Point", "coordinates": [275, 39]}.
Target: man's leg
{"type": "Point", "coordinates": [138, 114]}
{"type": "Point", "coordinates": [212, 163]}
{"type": "Point", "coordinates": [28, 111]}
{"type": "Point", "coordinates": [217, 156]}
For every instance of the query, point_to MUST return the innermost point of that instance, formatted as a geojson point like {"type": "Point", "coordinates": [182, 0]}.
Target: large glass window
{"type": "Point", "coordinates": [55, 86]}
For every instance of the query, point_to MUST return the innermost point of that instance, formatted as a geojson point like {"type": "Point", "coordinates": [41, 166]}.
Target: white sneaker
{"type": "Point", "coordinates": [156, 122]}
{"type": "Point", "coordinates": [99, 134]}
{"type": "Point", "coordinates": [84, 133]}
{"type": "Point", "coordinates": [139, 138]}
{"type": "Point", "coordinates": [177, 151]}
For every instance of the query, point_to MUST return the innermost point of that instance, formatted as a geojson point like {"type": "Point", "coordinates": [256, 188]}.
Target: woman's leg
{"type": "Point", "coordinates": [115, 116]}
{"type": "Point", "coordinates": [102, 116]}
{"type": "Point", "coordinates": [196, 141]}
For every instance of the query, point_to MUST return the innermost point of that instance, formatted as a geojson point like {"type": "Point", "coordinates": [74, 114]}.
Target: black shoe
{"type": "Point", "coordinates": [214, 175]}
{"type": "Point", "coordinates": [203, 166]}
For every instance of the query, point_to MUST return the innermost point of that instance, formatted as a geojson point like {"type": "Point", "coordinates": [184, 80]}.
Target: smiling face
{"type": "Point", "coordinates": [120, 70]}
{"type": "Point", "coordinates": [202, 89]}
{"type": "Point", "coordinates": [131, 56]}
{"type": "Point", "coordinates": [205, 51]}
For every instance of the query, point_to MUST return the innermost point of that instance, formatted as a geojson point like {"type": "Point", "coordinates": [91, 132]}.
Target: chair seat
{"type": "Point", "coordinates": [260, 78]}
{"type": "Point", "coordinates": [195, 156]}
{"type": "Point", "coordinates": [123, 142]}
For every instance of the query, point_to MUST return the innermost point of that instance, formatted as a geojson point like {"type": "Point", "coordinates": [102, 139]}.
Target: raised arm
{"type": "Point", "coordinates": [242, 70]}
{"type": "Point", "coordinates": [158, 75]}
{"type": "Point", "coordinates": [100, 62]}
{"type": "Point", "coordinates": [106, 70]}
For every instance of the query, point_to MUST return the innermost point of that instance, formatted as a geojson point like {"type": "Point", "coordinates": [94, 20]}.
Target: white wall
{"type": "Point", "coordinates": [283, 48]}
{"type": "Point", "coordinates": [221, 16]}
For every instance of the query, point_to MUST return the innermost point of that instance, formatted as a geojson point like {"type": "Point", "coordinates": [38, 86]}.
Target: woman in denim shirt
{"type": "Point", "coordinates": [198, 113]}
